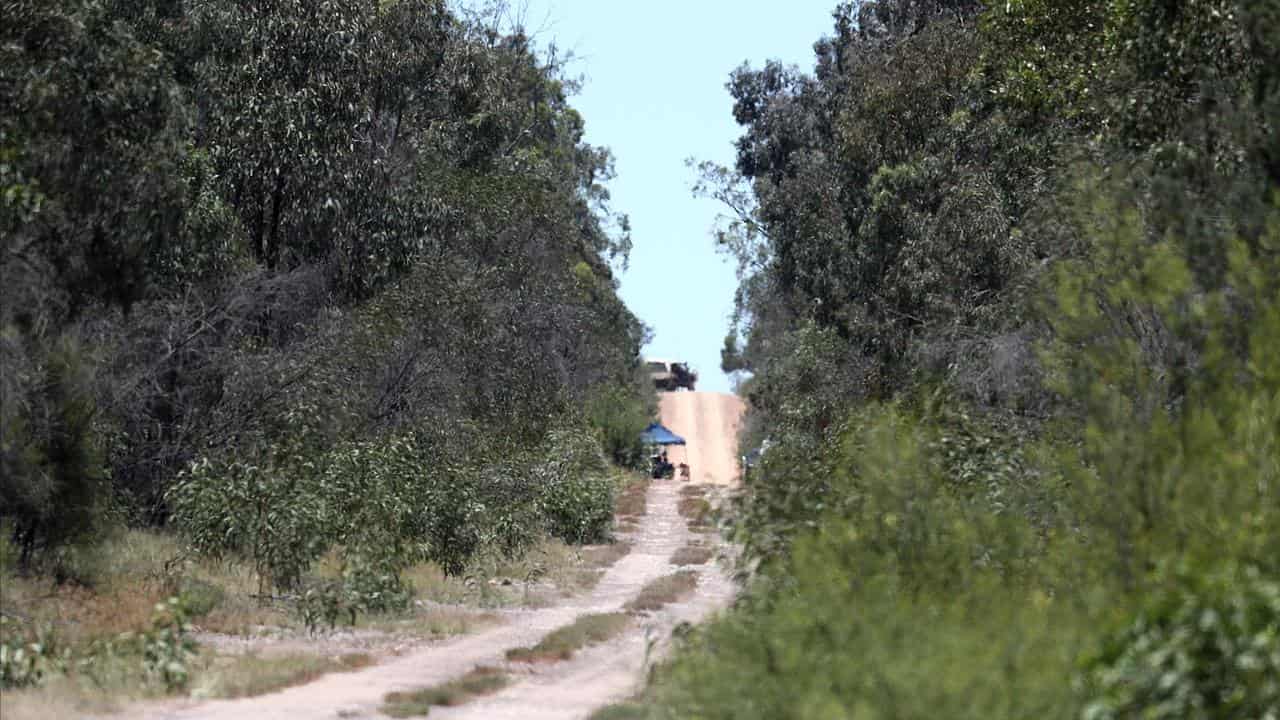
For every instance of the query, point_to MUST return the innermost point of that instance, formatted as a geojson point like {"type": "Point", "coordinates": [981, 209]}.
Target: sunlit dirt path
{"type": "Point", "coordinates": [709, 422]}
{"type": "Point", "coordinates": [596, 676]}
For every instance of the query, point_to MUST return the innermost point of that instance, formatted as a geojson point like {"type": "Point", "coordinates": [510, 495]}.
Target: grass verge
{"type": "Point", "coordinates": [596, 559]}
{"type": "Point", "coordinates": [549, 571]}
{"type": "Point", "coordinates": [482, 680]}
{"type": "Point", "coordinates": [692, 554]}
{"type": "Point", "coordinates": [695, 508]}
{"type": "Point", "coordinates": [663, 590]}
{"type": "Point", "coordinates": [249, 675]}
{"type": "Point", "coordinates": [431, 622]}
{"type": "Point", "coordinates": [621, 711]}
{"type": "Point", "coordinates": [560, 644]}
{"type": "Point", "coordinates": [631, 502]}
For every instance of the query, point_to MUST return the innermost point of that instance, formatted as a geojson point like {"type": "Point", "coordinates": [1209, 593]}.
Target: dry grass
{"type": "Point", "coordinates": [692, 554]}
{"type": "Point", "coordinates": [62, 697]}
{"type": "Point", "coordinates": [480, 681]}
{"type": "Point", "coordinates": [250, 675]}
{"type": "Point", "coordinates": [595, 559]}
{"type": "Point", "coordinates": [113, 587]}
{"type": "Point", "coordinates": [664, 590]}
{"type": "Point", "coordinates": [431, 583]}
{"type": "Point", "coordinates": [77, 614]}
{"type": "Point", "coordinates": [562, 643]}
{"type": "Point", "coordinates": [119, 581]}
{"type": "Point", "coordinates": [602, 556]}
{"type": "Point", "coordinates": [631, 502]}
{"type": "Point", "coordinates": [548, 572]}
{"type": "Point", "coordinates": [695, 508]}
{"type": "Point", "coordinates": [432, 622]}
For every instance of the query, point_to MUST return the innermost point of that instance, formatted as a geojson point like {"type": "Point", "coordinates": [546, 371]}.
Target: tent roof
{"type": "Point", "coordinates": [656, 434]}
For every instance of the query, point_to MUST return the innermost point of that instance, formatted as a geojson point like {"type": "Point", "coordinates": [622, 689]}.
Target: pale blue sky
{"type": "Point", "coordinates": [654, 76]}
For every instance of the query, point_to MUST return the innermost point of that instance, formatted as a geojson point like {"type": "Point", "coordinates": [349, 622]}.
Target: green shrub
{"type": "Point", "coordinates": [28, 657]}
{"type": "Point", "coordinates": [838, 643]}
{"type": "Point", "coordinates": [576, 491]}
{"type": "Point", "coordinates": [199, 597]}
{"type": "Point", "coordinates": [159, 656]}
{"type": "Point", "coordinates": [619, 414]}
{"type": "Point", "coordinates": [579, 509]}
{"type": "Point", "coordinates": [167, 648]}
{"type": "Point", "coordinates": [270, 513]}
{"type": "Point", "coordinates": [52, 484]}
{"type": "Point", "coordinates": [1201, 648]}
{"type": "Point", "coordinates": [921, 563]}
{"type": "Point", "coordinates": [376, 587]}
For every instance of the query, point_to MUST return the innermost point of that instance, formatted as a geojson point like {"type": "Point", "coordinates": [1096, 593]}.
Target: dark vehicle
{"type": "Point", "coordinates": [662, 468]}
{"type": "Point", "coordinates": [671, 375]}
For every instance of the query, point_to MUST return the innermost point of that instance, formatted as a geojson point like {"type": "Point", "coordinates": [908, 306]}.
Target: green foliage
{"type": "Point", "coordinates": [906, 599]}
{"type": "Point", "coordinates": [1178, 388]}
{"type": "Point", "coordinates": [577, 490]}
{"type": "Point", "coordinates": [1205, 647]}
{"type": "Point", "coordinates": [280, 238]}
{"type": "Point", "coordinates": [272, 513]}
{"type": "Point", "coordinates": [167, 648]}
{"type": "Point", "coordinates": [620, 413]}
{"type": "Point", "coordinates": [386, 505]}
{"type": "Point", "coordinates": [1042, 238]}
{"type": "Point", "coordinates": [160, 656]}
{"type": "Point", "coordinates": [198, 597]}
{"type": "Point", "coordinates": [26, 660]}
{"type": "Point", "coordinates": [52, 485]}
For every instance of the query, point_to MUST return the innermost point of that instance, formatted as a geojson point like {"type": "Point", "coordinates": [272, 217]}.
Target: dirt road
{"type": "Point", "coordinates": [709, 422]}
{"type": "Point", "coordinates": [596, 676]}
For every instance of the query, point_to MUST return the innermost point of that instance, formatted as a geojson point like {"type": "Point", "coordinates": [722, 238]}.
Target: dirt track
{"type": "Point", "coordinates": [573, 689]}
{"type": "Point", "coordinates": [709, 422]}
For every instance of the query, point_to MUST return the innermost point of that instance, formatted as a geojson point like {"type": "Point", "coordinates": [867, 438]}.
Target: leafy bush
{"type": "Point", "coordinates": [199, 597]}
{"type": "Point", "coordinates": [167, 648]}
{"type": "Point", "coordinates": [52, 488]}
{"type": "Point", "coordinates": [270, 512]}
{"type": "Point", "coordinates": [576, 492]}
{"type": "Point", "coordinates": [27, 658]}
{"type": "Point", "coordinates": [159, 656]}
{"type": "Point", "coordinates": [905, 600]}
{"type": "Point", "coordinates": [376, 588]}
{"type": "Point", "coordinates": [619, 414]}
{"type": "Point", "coordinates": [387, 504]}
{"type": "Point", "coordinates": [1202, 648]}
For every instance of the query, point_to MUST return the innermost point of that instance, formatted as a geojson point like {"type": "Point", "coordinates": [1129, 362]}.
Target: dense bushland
{"type": "Point", "coordinates": [1011, 318]}
{"type": "Point", "coordinates": [297, 279]}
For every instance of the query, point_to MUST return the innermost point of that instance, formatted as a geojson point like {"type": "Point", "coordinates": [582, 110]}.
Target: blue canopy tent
{"type": "Point", "coordinates": [655, 434]}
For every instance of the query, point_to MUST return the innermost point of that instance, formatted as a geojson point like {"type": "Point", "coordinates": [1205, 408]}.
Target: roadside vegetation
{"type": "Point", "coordinates": [1011, 309]}
{"type": "Point", "coordinates": [562, 643]}
{"type": "Point", "coordinates": [695, 508]}
{"type": "Point", "coordinates": [663, 591]}
{"type": "Point", "coordinates": [693, 553]}
{"type": "Point", "coordinates": [308, 321]}
{"type": "Point", "coordinates": [481, 680]}
{"type": "Point", "coordinates": [251, 675]}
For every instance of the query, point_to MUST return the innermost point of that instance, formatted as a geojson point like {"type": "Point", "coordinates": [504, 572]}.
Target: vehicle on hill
{"type": "Point", "coordinates": [668, 375]}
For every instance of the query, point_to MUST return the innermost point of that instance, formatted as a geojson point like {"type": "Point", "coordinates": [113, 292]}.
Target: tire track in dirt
{"type": "Point", "coordinates": [572, 689]}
